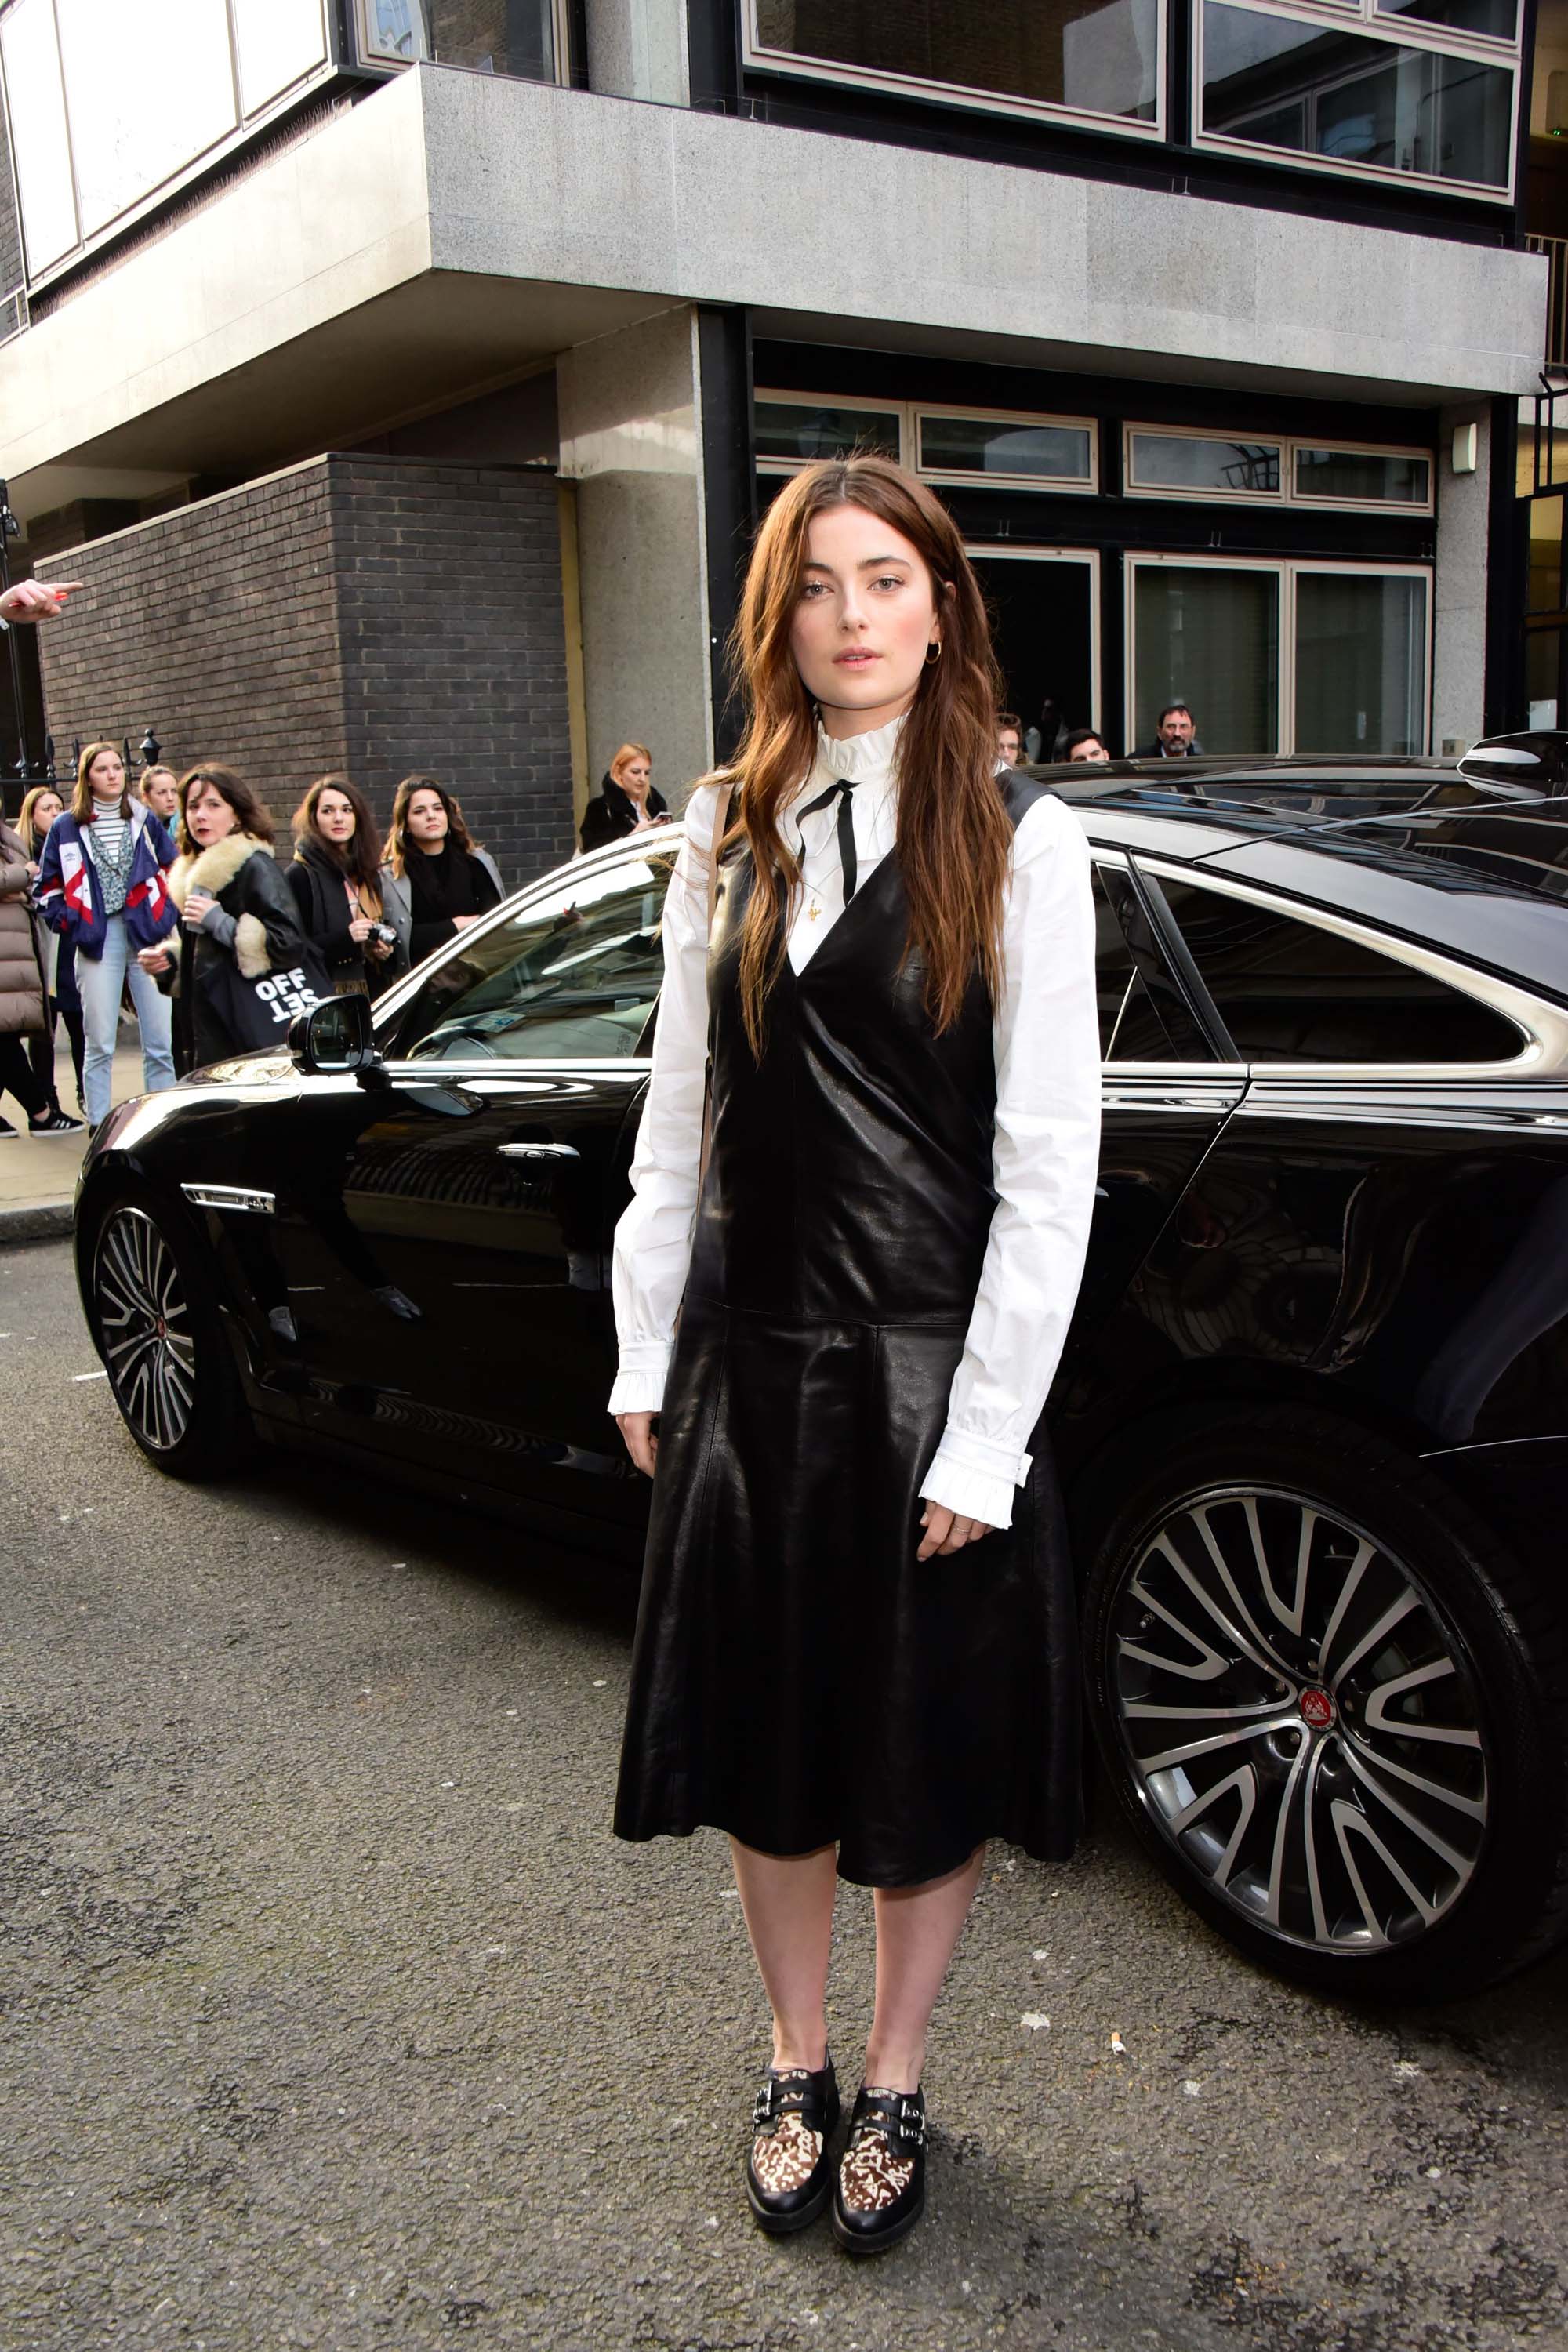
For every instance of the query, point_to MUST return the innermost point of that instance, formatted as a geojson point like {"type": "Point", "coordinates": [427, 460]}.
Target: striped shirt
{"type": "Point", "coordinates": [109, 846]}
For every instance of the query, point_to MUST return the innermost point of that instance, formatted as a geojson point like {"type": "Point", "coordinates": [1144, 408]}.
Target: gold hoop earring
{"type": "Point", "coordinates": [933, 651]}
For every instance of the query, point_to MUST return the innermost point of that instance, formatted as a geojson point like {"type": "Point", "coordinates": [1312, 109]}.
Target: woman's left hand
{"type": "Point", "coordinates": [379, 949]}
{"type": "Point", "coordinates": [946, 1532]}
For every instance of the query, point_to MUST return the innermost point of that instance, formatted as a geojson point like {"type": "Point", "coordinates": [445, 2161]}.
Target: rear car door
{"type": "Point", "coordinates": [1165, 1095]}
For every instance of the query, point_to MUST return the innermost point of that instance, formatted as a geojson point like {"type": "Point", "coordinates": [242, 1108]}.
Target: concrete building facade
{"type": "Point", "coordinates": [501, 321]}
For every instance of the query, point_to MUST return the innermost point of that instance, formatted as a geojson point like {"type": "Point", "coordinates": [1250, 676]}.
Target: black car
{"type": "Point", "coordinates": [1313, 1415]}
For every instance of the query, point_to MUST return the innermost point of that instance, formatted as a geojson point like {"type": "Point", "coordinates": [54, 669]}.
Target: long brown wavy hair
{"type": "Point", "coordinates": [953, 833]}
{"type": "Point", "coordinates": [458, 832]}
{"type": "Point", "coordinates": [359, 859]}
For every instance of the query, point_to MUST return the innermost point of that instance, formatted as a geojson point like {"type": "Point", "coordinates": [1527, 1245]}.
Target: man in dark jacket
{"type": "Point", "coordinates": [1174, 738]}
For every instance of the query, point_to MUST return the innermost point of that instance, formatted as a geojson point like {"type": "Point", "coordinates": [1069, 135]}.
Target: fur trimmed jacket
{"type": "Point", "coordinates": [247, 883]}
{"type": "Point", "coordinates": [21, 972]}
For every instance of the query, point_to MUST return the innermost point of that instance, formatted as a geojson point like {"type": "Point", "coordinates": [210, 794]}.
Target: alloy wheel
{"type": "Point", "coordinates": [143, 1319]}
{"type": "Point", "coordinates": [1301, 1721]}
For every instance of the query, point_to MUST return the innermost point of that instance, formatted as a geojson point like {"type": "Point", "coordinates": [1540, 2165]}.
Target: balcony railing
{"type": "Point", "coordinates": [1556, 251]}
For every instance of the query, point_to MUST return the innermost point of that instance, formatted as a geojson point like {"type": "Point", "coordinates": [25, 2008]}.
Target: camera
{"type": "Point", "coordinates": [384, 934]}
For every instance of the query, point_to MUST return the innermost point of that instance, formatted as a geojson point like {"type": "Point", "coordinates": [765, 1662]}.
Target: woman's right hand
{"type": "Point", "coordinates": [153, 958]}
{"type": "Point", "coordinates": [642, 1440]}
{"type": "Point", "coordinates": [359, 929]}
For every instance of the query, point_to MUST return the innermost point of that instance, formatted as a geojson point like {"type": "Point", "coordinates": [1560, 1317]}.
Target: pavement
{"type": "Point", "coordinates": [38, 1174]}
{"type": "Point", "coordinates": [332, 2015]}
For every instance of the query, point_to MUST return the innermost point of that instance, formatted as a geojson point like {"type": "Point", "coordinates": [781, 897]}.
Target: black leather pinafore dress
{"type": "Point", "coordinates": [799, 1679]}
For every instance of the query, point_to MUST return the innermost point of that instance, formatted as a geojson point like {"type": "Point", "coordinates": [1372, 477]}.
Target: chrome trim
{"type": "Point", "coordinates": [537, 1151]}
{"type": "Point", "coordinates": [242, 1197]}
{"type": "Point", "coordinates": [1544, 1024]}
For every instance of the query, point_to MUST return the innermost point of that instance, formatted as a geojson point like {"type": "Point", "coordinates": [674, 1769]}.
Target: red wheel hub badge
{"type": "Point", "coordinates": [161, 1328]}
{"type": "Point", "coordinates": [1317, 1708]}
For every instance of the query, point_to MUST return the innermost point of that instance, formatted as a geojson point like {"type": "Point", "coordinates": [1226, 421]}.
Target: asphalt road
{"type": "Point", "coordinates": [330, 2014]}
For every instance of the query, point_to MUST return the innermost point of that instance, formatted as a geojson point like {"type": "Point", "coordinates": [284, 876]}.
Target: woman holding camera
{"type": "Point", "coordinates": [336, 881]}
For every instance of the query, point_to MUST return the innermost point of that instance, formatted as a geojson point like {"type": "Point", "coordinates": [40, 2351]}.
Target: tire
{"type": "Point", "coordinates": [158, 1330]}
{"type": "Point", "coordinates": [1333, 1707]}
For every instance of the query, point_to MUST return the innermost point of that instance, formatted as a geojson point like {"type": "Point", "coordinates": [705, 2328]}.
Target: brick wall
{"type": "Point", "coordinates": [376, 614]}
{"type": "Point", "coordinates": [454, 647]}
{"type": "Point", "coordinates": [217, 626]}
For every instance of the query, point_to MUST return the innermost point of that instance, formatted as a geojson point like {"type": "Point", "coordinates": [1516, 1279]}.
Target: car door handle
{"type": "Point", "coordinates": [538, 1151]}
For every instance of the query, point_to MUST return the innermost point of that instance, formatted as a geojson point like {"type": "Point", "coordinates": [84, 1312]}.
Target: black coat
{"type": "Point", "coordinates": [316, 880]}
{"type": "Point", "coordinates": [614, 813]}
{"type": "Point", "coordinates": [212, 1018]}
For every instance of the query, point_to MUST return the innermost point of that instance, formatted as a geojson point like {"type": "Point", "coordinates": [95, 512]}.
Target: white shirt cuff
{"type": "Point", "coordinates": [974, 1479]}
{"type": "Point", "coordinates": [639, 1384]}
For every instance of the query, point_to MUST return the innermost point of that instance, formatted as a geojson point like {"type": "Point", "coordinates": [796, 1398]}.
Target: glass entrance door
{"type": "Point", "coordinates": [1045, 600]}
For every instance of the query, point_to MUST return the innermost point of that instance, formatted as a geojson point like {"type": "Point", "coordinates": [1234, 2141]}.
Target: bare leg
{"type": "Point", "coordinates": [917, 1929]}
{"type": "Point", "coordinates": [788, 1903]}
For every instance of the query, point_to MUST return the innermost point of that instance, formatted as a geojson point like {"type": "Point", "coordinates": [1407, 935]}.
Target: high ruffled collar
{"type": "Point", "coordinates": [861, 759]}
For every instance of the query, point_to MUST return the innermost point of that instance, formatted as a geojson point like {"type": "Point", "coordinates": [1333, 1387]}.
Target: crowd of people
{"type": "Point", "coordinates": [169, 900]}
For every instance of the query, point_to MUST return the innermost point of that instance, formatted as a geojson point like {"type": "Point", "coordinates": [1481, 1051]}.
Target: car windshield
{"type": "Point", "coordinates": [571, 976]}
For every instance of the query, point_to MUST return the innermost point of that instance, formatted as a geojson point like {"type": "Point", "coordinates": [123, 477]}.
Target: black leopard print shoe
{"type": "Point", "coordinates": [789, 2178]}
{"type": "Point", "coordinates": [881, 2190]}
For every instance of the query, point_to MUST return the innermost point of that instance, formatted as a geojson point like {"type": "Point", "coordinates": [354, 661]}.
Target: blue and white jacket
{"type": "Point", "coordinates": [69, 895]}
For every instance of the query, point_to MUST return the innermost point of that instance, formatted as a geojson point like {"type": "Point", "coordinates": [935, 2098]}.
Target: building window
{"type": "Point", "coordinates": [525, 39]}
{"type": "Point", "coordinates": [1361, 661]}
{"type": "Point", "coordinates": [1100, 61]}
{"type": "Point", "coordinates": [1308, 86]}
{"type": "Point", "coordinates": [1496, 20]}
{"type": "Point", "coordinates": [1001, 448]}
{"type": "Point", "coordinates": [1045, 603]}
{"type": "Point", "coordinates": [1191, 465]}
{"type": "Point", "coordinates": [1209, 636]}
{"type": "Point", "coordinates": [1281, 656]}
{"type": "Point", "coordinates": [1026, 452]}
{"type": "Point", "coordinates": [1371, 477]}
{"type": "Point", "coordinates": [111, 106]}
{"type": "Point", "coordinates": [1177, 463]}
{"type": "Point", "coordinates": [793, 429]}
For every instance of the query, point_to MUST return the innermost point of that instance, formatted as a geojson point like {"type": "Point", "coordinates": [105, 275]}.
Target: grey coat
{"type": "Point", "coordinates": [21, 970]}
{"type": "Point", "coordinates": [397, 904]}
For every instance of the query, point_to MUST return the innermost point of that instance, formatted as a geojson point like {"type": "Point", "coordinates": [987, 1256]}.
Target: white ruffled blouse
{"type": "Point", "coordinates": [1045, 1151]}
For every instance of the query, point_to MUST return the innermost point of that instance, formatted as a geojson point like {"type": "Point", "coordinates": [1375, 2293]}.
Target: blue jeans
{"type": "Point", "coordinates": [100, 984]}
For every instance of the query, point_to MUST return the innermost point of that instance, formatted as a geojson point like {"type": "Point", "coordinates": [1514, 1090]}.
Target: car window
{"type": "Point", "coordinates": [1293, 990]}
{"type": "Point", "coordinates": [1131, 1029]}
{"type": "Point", "coordinates": [571, 977]}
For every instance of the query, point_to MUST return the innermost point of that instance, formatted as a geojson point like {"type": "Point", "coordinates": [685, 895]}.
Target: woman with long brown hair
{"type": "Point", "coordinates": [102, 886]}
{"type": "Point", "coordinates": [855, 1650]}
{"type": "Point", "coordinates": [336, 880]}
{"type": "Point", "coordinates": [436, 879]}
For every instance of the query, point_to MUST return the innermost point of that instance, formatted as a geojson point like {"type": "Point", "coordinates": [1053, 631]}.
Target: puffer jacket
{"type": "Point", "coordinates": [21, 972]}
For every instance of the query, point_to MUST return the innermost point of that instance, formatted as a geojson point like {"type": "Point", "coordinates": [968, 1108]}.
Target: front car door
{"type": "Point", "coordinates": [448, 1267]}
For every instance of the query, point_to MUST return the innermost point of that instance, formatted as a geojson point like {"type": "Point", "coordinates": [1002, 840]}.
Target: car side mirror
{"type": "Point", "coordinates": [335, 1037]}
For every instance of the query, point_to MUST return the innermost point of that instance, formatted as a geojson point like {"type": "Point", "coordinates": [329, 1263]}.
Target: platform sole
{"type": "Point", "coordinates": [856, 2241]}
{"type": "Point", "coordinates": [799, 2216]}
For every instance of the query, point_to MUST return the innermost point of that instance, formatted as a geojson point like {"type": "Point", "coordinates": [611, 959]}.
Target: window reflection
{"type": "Point", "coordinates": [800, 430]}
{"type": "Point", "coordinates": [1337, 94]}
{"type": "Point", "coordinates": [1499, 19]}
{"type": "Point", "coordinates": [1179, 461]}
{"type": "Point", "coordinates": [572, 978]}
{"type": "Point", "coordinates": [1100, 55]}
{"type": "Point", "coordinates": [1361, 475]}
{"type": "Point", "coordinates": [516, 37]}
